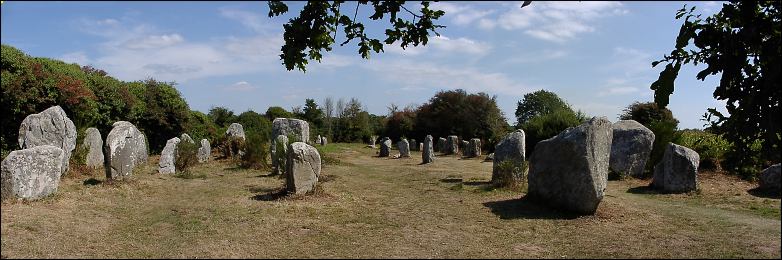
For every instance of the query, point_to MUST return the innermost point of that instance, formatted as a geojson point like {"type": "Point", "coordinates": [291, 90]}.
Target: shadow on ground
{"type": "Point", "coordinates": [758, 192]}
{"type": "Point", "coordinates": [92, 182]}
{"type": "Point", "coordinates": [526, 208]}
{"type": "Point", "coordinates": [643, 190]}
{"type": "Point", "coordinates": [270, 195]}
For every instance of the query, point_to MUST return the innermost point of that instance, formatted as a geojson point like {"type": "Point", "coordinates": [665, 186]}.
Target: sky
{"type": "Point", "coordinates": [595, 55]}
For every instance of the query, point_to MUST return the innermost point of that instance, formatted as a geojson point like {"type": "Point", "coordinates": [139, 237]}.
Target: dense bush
{"type": "Point", "coordinates": [201, 126]}
{"type": "Point", "coordinates": [711, 147]}
{"type": "Point", "coordinates": [256, 151]}
{"type": "Point", "coordinates": [511, 174]}
{"type": "Point", "coordinates": [186, 156]}
{"type": "Point", "coordinates": [545, 126]}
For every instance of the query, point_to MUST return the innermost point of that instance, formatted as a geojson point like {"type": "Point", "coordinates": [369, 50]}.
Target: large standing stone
{"type": "Point", "coordinates": [205, 151]}
{"type": "Point", "coordinates": [630, 148]}
{"type": "Point", "coordinates": [31, 173]}
{"type": "Point", "coordinates": [235, 130]}
{"type": "Point", "coordinates": [298, 129]}
{"type": "Point", "coordinates": [186, 138]}
{"type": "Point", "coordinates": [94, 144]}
{"type": "Point", "coordinates": [413, 145]}
{"type": "Point", "coordinates": [125, 148]}
{"type": "Point", "coordinates": [428, 150]}
{"type": "Point", "coordinates": [452, 145]}
{"type": "Point", "coordinates": [678, 170]}
{"type": "Point", "coordinates": [770, 179]}
{"type": "Point", "coordinates": [302, 168]}
{"type": "Point", "coordinates": [279, 159]}
{"type": "Point", "coordinates": [404, 148]}
{"type": "Point", "coordinates": [570, 170]}
{"type": "Point", "coordinates": [509, 148]}
{"type": "Point", "coordinates": [50, 127]}
{"type": "Point", "coordinates": [473, 148]}
{"type": "Point", "coordinates": [167, 163]}
{"type": "Point", "coordinates": [385, 147]}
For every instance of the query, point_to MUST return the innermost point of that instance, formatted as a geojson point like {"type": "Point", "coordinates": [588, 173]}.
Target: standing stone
{"type": "Point", "coordinates": [441, 145]}
{"type": "Point", "coordinates": [323, 141]}
{"type": "Point", "coordinates": [630, 148]}
{"type": "Point", "coordinates": [302, 168]}
{"type": "Point", "coordinates": [770, 179]}
{"type": "Point", "coordinates": [428, 150]}
{"type": "Point", "coordinates": [31, 173]}
{"type": "Point", "coordinates": [125, 148]}
{"type": "Point", "coordinates": [298, 129]}
{"type": "Point", "coordinates": [404, 148]}
{"type": "Point", "coordinates": [678, 170]}
{"type": "Point", "coordinates": [279, 159]}
{"type": "Point", "coordinates": [420, 146]}
{"type": "Point", "coordinates": [235, 130]}
{"type": "Point", "coordinates": [167, 163]}
{"type": "Point", "coordinates": [465, 148]}
{"type": "Point", "coordinates": [452, 145]}
{"type": "Point", "coordinates": [318, 140]}
{"type": "Point", "coordinates": [205, 151]}
{"type": "Point", "coordinates": [50, 127]}
{"type": "Point", "coordinates": [474, 148]}
{"type": "Point", "coordinates": [414, 145]}
{"type": "Point", "coordinates": [489, 158]}
{"type": "Point", "coordinates": [94, 144]}
{"type": "Point", "coordinates": [372, 140]}
{"type": "Point", "coordinates": [186, 138]}
{"type": "Point", "coordinates": [509, 148]}
{"type": "Point", "coordinates": [570, 170]}
{"type": "Point", "coordinates": [385, 147]}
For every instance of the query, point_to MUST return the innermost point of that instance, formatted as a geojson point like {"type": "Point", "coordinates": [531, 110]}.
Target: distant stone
{"type": "Point", "coordinates": [168, 157]}
{"type": "Point", "coordinates": [404, 148]}
{"type": "Point", "coordinates": [420, 146]}
{"type": "Point", "coordinates": [280, 158]}
{"type": "Point", "coordinates": [489, 158]}
{"type": "Point", "coordinates": [125, 148]}
{"type": "Point", "coordinates": [570, 170]}
{"type": "Point", "coordinates": [678, 170]}
{"type": "Point", "coordinates": [427, 154]}
{"type": "Point", "coordinates": [509, 148]}
{"type": "Point", "coordinates": [31, 173]}
{"type": "Point", "coordinates": [94, 144]}
{"type": "Point", "coordinates": [385, 147]}
{"type": "Point", "coordinates": [770, 179]}
{"type": "Point", "coordinates": [235, 130]}
{"type": "Point", "coordinates": [372, 140]}
{"type": "Point", "coordinates": [473, 148]}
{"type": "Point", "coordinates": [50, 127]}
{"type": "Point", "coordinates": [205, 151]}
{"type": "Point", "coordinates": [186, 138]}
{"type": "Point", "coordinates": [630, 148]}
{"type": "Point", "coordinates": [452, 145]}
{"type": "Point", "coordinates": [318, 139]}
{"type": "Point", "coordinates": [302, 168]}
{"type": "Point", "coordinates": [441, 145]}
{"type": "Point", "coordinates": [323, 141]}
{"type": "Point", "coordinates": [414, 145]}
{"type": "Point", "coordinates": [235, 138]}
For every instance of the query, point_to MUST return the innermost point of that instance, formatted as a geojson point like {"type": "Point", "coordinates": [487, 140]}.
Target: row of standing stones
{"type": "Point", "coordinates": [47, 140]}
{"type": "Point", "coordinates": [591, 149]}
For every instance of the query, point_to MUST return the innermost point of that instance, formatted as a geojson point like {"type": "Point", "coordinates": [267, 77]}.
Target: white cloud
{"type": "Point", "coordinates": [78, 57]}
{"type": "Point", "coordinates": [154, 41]}
{"type": "Point", "coordinates": [248, 19]}
{"type": "Point", "coordinates": [443, 45]}
{"type": "Point", "coordinates": [536, 56]}
{"type": "Point", "coordinates": [241, 86]}
{"type": "Point", "coordinates": [613, 91]}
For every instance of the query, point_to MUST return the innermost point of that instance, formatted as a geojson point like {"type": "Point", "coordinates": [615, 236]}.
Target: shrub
{"type": "Point", "coordinates": [186, 156]}
{"type": "Point", "coordinates": [511, 175]}
{"type": "Point", "coordinates": [545, 126]}
{"type": "Point", "coordinates": [255, 152]}
{"type": "Point", "coordinates": [711, 147]}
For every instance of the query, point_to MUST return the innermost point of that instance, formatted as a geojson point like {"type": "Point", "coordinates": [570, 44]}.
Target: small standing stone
{"type": "Point", "coordinates": [186, 138]}
{"type": "Point", "coordinates": [770, 179]}
{"type": "Point", "coordinates": [125, 148]}
{"type": "Point", "coordinates": [167, 161]}
{"type": "Point", "coordinates": [452, 145]}
{"type": "Point", "coordinates": [413, 145]}
{"type": "Point", "coordinates": [31, 173]}
{"type": "Point", "coordinates": [404, 148]}
{"type": "Point", "coordinates": [205, 151]}
{"type": "Point", "coordinates": [511, 148]}
{"type": "Point", "coordinates": [323, 141]}
{"type": "Point", "coordinates": [441, 145]}
{"type": "Point", "coordinates": [302, 168]}
{"type": "Point", "coordinates": [678, 170]}
{"type": "Point", "coordinates": [280, 158]}
{"type": "Point", "coordinates": [372, 140]}
{"type": "Point", "coordinates": [428, 150]}
{"type": "Point", "coordinates": [94, 143]}
{"type": "Point", "coordinates": [474, 148]}
{"type": "Point", "coordinates": [420, 146]}
{"type": "Point", "coordinates": [385, 147]}
{"type": "Point", "coordinates": [465, 148]}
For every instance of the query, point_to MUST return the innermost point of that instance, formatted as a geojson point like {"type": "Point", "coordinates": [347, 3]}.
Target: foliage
{"type": "Point", "coordinates": [664, 133]}
{"type": "Point", "coordinates": [538, 103]}
{"type": "Point", "coordinates": [277, 112]}
{"type": "Point", "coordinates": [658, 119]}
{"type": "Point", "coordinates": [400, 124]}
{"type": "Point", "coordinates": [315, 29]}
{"type": "Point", "coordinates": [186, 156]}
{"type": "Point", "coordinates": [545, 126]}
{"type": "Point", "coordinates": [201, 126]}
{"type": "Point", "coordinates": [256, 152]}
{"type": "Point", "coordinates": [253, 122]}
{"type": "Point", "coordinates": [221, 116]}
{"type": "Point", "coordinates": [511, 174]}
{"type": "Point", "coordinates": [742, 43]}
{"type": "Point", "coordinates": [353, 122]}
{"type": "Point", "coordinates": [455, 112]}
{"type": "Point", "coordinates": [166, 113]}
{"type": "Point", "coordinates": [711, 147]}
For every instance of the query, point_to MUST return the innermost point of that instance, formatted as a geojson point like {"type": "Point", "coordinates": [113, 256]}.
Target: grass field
{"type": "Point", "coordinates": [369, 207]}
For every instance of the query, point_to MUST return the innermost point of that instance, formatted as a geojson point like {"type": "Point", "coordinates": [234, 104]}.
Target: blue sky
{"type": "Point", "coordinates": [595, 55]}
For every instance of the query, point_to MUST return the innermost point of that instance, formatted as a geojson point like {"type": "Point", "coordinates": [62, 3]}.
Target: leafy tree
{"type": "Point", "coordinates": [313, 114]}
{"type": "Point", "coordinates": [400, 123]}
{"type": "Point", "coordinates": [315, 29]}
{"type": "Point", "coordinates": [221, 116]}
{"type": "Point", "coordinates": [166, 114]}
{"type": "Point", "coordinates": [545, 126]}
{"type": "Point", "coordinates": [538, 103]}
{"type": "Point", "coordinates": [353, 123]}
{"type": "Point", "coordinates": [201, 126]}
{"type": "Point", "coordinates": [254, 122]}
{"type": "Point", "coordinates": [275, 112]}
{"type": "Point", "coordinates": [742, 42]}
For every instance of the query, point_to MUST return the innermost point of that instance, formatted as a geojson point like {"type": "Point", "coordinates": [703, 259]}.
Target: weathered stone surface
{"type": "Point", "coordinates": [31, 173]}
{"type": "Point", "coordinates": [168, 156]}
{"type": "Point", "coordinates": [420, 146]}
{"type": "Point", "coordinates": [205, 151]}
{"type": "Point", "coordinates": [414, 145]}
{"type": "Point", "coordinates": [404, 148]}
{"type": "Point", "coordinates": [473, 148]}
{"type": "Point", "coordinates": [186, 138]}
{"type": "Point", "coordinates": [452, 145]}
{"type": "Point", "coordinates": [385, 147]}
{"type": "Point", "coordinates": [279, 159]}
{"type": "Point", "coordinates": [50, 127]}
{"type": "Point", "coordinates": [302, 168]}
{"type": "Point", "coordinates": [125, 147]}
{"type": "Point", "coordinates": [465, 146]}
{"type": "Point", "coordinates": [427, 154]}
{"type": "Point", "coordinates": [570, 170]}
{"type": "Point", "coordinates": [297, 129]}
{"type": "Point", "coordinates": [372, 141]}
{"type": "Point", "coordinates": [440, 145]}
{"type": "Point", "coordinates": [323, 141]}
{"type": "Point", "coordinates": [770, 179]}
{"type": "Point", "coordinates": [678, 170]}
{"type": "Point", "coordinates": [94, 144]}
{"type": "Point", "coordinates": [489, 158]}
{"type": "Point", "coordinates": [630, 148]}
{"type": "Point", "coordinates": [318, 139]}
{"type": "Point", "coordinates": [235, 130]}
{"type": "Point", "coordinates": [509, 148]}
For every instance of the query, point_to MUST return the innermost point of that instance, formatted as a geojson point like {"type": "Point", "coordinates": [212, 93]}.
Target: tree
{"type": "Point", "coordinates": [166, 114]}
{"type": "Point", "coordinates": [742, 42]}
{"type": "Point", "coordinates": [312, 113]}
{"type": "Point", "coordinates": [221, 116]}
{"type": "Point", "coordinates": [538, 103]}
{"type": "Point", "coordinates": [277, 112]}
{"type": "Point", "coordinates": [658, 119]}
{"type": "Point", "coordinates": [328, 111]}
{"type": "Point", "coordinates": [315, 29]}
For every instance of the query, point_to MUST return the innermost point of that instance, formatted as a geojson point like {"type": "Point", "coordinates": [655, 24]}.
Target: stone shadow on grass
{"type": "Point", "coordinates": [451, 180]}
{"type": "Point", "coordinates": [526, 208]}
{"type": "Point", "coordinates": [643, 190]}
{"type": "Point", "coordinates": [271, 195]}
{"type": "Point", "coordinates": [92, 182]}
{"type": "Point", "coordinates": [763, 193]}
